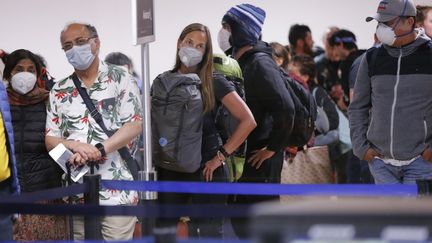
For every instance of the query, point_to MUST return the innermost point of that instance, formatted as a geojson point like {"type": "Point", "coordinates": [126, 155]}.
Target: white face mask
{"type": "Point", "coordinates": [223, 39]}
{"type": "Point", "coordinates": [23, 82]}
{"type": "Point", "coordinates": [385, 34]}
{"type": "Point", "coordinates": [190, 56]}
{"type": "Point", "coordinates": [80, 57]}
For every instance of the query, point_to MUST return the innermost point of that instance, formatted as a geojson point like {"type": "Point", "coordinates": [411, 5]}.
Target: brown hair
{"type": "Point", "coordinates": [422, 11]}
{"type": "Point", "coordinates": [205, 67]}
{"type": "Point", "coordinates": [280, 51]}
{"type": "Point", "coordinates": [306, 66]}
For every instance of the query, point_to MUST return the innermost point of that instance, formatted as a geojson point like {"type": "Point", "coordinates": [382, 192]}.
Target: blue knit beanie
{"type": "Point", "coordinates": [246, 23]}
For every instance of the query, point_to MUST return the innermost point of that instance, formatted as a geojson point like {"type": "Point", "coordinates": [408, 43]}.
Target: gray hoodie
{"type": "Point", "coordinates": [392, 106]}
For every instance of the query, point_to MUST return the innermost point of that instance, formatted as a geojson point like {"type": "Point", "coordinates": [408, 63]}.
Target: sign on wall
{"type": "Point", "coordinates": [142, 21]}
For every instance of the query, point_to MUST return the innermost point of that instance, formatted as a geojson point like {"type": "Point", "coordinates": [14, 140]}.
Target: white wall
{"type": "Point", "coordinates": [36, 25]}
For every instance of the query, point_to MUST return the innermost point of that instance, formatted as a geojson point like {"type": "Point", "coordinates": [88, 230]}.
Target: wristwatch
{"type": "Point", "coordinates": [101, 148]}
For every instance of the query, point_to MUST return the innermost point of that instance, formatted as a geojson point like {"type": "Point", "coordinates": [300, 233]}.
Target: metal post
{"type": "Point", "coordinates": [424, 188]}
{"type": "Point", "coordinates": [70, 202]}
{"type": "Point", "coordinates": [148, 173]}
{"type": "Point", "coordinates": [92, 224]}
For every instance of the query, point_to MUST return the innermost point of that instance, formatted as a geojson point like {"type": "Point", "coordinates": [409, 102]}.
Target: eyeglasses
{"type": "Point", "coordinates": [78, 42]}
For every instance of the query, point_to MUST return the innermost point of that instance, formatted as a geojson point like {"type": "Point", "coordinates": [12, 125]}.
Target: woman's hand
{"type": "Point", "coordinates": [210, 167]}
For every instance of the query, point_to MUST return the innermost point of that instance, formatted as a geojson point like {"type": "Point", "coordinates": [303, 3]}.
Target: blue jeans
{"type": "Point", "coordinates": [407, 174]}
{"type": "Point", "coordinates": [5, 219]}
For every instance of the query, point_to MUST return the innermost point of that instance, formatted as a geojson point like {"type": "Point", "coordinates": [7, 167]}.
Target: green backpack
{"type": "Point", "coordinates": [225, 122]}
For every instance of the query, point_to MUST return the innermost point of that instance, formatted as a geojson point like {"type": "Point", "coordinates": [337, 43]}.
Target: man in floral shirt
{"type": "Point", "coordinates": [116, 96]}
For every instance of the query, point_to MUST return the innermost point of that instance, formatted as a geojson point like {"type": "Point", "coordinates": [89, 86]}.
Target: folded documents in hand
{"type": "Point", "coordinates": [61, 156]}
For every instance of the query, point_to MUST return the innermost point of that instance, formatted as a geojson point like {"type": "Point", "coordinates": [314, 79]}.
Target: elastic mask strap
{"type": "Point", "coordinates": [397, 23]}
{"type": "Point", "coordinates": [402, 15]}
{"type": "Point", "coordinates": [398, 36]}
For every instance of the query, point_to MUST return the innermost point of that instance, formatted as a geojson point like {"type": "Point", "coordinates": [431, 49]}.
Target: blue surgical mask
{"type": "Point", "coordinates": [80, 57]}
{"type": "Point", "coordinates": [190, 56]}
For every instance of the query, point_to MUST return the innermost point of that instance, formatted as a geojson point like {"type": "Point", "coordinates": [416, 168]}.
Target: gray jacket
{"type": "Point", "coordinates": [392, 106]}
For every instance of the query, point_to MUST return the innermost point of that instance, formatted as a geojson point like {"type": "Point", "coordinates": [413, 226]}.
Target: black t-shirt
{"type": "Point", "coordinates": [345, 68]}
{"type": "Point", "coordinates": [211, 138]}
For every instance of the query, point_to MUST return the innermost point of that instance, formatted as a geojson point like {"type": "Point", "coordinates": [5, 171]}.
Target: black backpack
{"type": "Point", "coordinates": [305, 112]}
{"type": "Point", "coordinates": [304, 105]}
{"type": "Point", "coordinates": [177, 119]}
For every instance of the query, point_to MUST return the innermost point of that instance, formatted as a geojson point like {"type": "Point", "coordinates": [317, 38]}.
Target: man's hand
{"type": "Point", "coordinates": [259, 156]}
{"type": "Point", "coordinates": [370, 155]}
{"type": "Point", "coordinates": [86, 151]}
{"type": "Point", "coordinates": [427, 155]}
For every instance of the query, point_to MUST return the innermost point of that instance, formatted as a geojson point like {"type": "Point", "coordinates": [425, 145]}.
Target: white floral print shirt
{"type": "Point", "coordinates": [116, 96]}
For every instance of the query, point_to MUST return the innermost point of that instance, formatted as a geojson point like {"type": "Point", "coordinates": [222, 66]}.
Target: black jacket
{"type": "Point", "coordinates": [267, 98]}
{"type": "Point", "coordinates": [327, 72]}
{"type": "Point", "coordinates": [36, 169]}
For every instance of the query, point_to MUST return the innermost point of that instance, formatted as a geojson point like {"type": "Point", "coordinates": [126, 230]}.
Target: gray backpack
{"type": "Point", "coordinates": [177, 118]}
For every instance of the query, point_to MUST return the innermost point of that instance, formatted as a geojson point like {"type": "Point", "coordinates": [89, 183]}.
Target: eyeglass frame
{"type": "Point", "coordinates": [74, 43]}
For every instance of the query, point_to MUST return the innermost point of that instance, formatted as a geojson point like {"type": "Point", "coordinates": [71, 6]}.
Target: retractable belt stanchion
{"type": "Point", "coordinates": [92, 224]}
{"type": "Point", "coordinates": [142, 34]}
{"type": "Point", "coordinates": [148, 173]}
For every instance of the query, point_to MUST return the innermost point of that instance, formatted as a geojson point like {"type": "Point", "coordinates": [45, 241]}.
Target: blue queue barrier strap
{"type": "Point", "coordinates": [148, 211]}
{"type": "Point", "coordinates": [226, 188]}
{"type": "Point", "coordinates": [48, 194]}
{"type": "Point", "coordinates": [354, 190]}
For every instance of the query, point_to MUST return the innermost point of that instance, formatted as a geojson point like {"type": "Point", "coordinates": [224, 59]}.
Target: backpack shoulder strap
{"type": "Point", "coordinates": [261, 54]}
{"type": "Point", "coordinates": [314, 94]}
{"type": "Point", "coordinates": [124, 152]}
{"type": "Point", "coordinates": [372, 59]}
{"type": "Point", "coordinates": [255, 56]}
